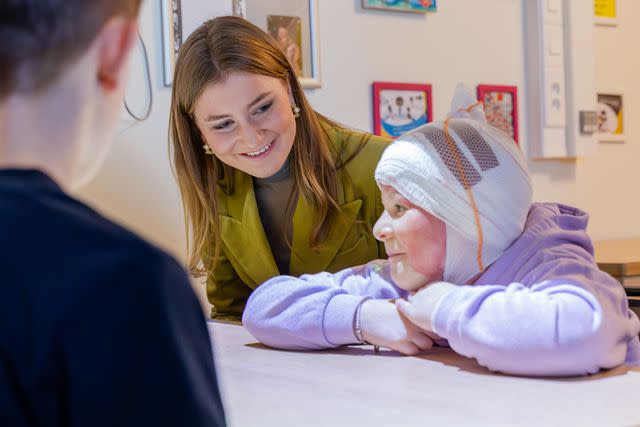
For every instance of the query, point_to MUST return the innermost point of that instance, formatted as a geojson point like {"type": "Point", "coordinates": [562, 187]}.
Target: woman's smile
{"type": "Point", "coordinates": [261, 152]}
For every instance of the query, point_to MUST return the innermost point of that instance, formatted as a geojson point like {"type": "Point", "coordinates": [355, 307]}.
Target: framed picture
{"type": "Point", "coordinates": [606, 12]}
{"type": "Point", "coordinates": [414, 6]}
{"type": "Point", "coordinates": [294, 25]}
{"type": "Point", "coordinates": [239, 8]}
{"type": "Point", "coordinates": [400, 107]}
{"type": "Point", "coordinates": [171, 11]}
{"type": "Point", "coordinates": [501, 107]}
{"type": "Point", "coordinates": [287, 30]}
{"type": "Point", "coordinates": [610, 110]}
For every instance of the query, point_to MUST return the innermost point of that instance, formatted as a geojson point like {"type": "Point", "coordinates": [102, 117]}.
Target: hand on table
{"type": "Point", "coordinates": [382, 324]}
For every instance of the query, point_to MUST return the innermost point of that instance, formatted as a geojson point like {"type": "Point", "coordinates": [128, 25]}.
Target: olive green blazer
{"type": "Point", "coordinates": [246, 259]}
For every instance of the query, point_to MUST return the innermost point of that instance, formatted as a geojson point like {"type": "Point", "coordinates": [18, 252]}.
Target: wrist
{"type": "Point", "coordinates": [358, 331]}
{"type": "Point", "coordinates": [357, 324]}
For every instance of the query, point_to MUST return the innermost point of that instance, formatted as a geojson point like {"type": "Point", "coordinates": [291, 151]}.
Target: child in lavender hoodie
{"type": "Point", "coordinates": [472, 264]}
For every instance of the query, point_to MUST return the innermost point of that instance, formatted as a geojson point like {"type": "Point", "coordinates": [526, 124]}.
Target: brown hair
{"type": "Point", "coordinates": [218, 47]}
{"type": "Point", "coordinates": [40, 38]}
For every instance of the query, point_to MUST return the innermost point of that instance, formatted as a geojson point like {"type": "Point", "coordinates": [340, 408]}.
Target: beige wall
{"type": "Point", "coordinates": [606, 185]}
{"type": "Point", "coordinates": [466, 40]}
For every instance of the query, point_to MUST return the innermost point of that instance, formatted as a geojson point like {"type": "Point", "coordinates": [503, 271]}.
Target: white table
{"type": "Point", "coordinates": [353, 386]}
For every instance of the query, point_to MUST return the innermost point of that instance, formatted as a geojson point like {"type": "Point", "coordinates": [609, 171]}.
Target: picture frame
{"type": "Point", "coordinates": [411, 6]}
{"type": "Point", "coordinates": [171, 12]}
{"type": "Point", "coordinates": [501, 107]}
{"type": "Point", "coordinates": [239, 8]}
{"type": "Point", "coordinates": [606, 12]}
{"type": "Point", "coordinates": [610, 112]}
{"type": "Point", "coordinates": [287, 30]}
{"type": "Point", "coordinates": [400, 107]}
{"type": "Point", "coordinates": [293, 24]}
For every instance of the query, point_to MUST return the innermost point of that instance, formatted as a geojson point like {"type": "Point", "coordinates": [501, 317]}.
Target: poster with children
{"type": "Point", "coordinates": [400, 107]}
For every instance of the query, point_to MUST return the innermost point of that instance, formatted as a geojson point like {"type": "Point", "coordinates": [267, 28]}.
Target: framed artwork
{"type": "Point", "coordinates": [239, 8]}
{"type": "Point", "coordinates": [414, 6]}
{"type": "Point", "coordinates": [171, 11]}
{"type": "Point", "coordinates": [287, 30]}
{"type": "Point", "coordinates": [294, 25]}
{"type": "Point", "coordinates": [400, 107]}
{"type": "Point", "coordinates": [606, 12]}
{"type": "Point", "coordinates": [501, 107]}
{"type": "Point", "coordinates": [610, 110]}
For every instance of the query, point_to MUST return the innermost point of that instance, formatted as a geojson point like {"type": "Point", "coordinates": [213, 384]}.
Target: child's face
{"type": "Point", "coordinates": [414, 239]}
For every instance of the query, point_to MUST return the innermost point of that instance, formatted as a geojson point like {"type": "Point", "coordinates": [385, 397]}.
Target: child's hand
{"type": "Point", "coordinates": [420, 306]}
{"type": "Point", "coordinates": [383, 325]}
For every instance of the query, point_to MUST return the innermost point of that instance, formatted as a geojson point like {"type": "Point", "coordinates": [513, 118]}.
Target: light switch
{"type": "Point", "coordinates": [555, 43]}
{"type": "Point", "coordinates": [553, 12]}
{"type": "Point", "coordinates": [554, 47]}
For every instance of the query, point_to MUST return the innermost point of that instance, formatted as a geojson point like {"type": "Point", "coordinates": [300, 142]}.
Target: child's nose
{"type": "Point", "coordinates": [382, 230]}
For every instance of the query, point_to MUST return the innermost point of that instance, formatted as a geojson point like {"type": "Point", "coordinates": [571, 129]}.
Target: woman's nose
{"type": "Point", "coordinates": [252, 138]}
{"type": "Point", "coordinates": [382, 230]}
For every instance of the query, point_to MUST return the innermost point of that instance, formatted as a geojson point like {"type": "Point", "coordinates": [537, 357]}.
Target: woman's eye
{"type": "Point", "coordinates": [264, 108]}
{"type": "Point", "coordinates": [223, 125]}
{"type": "Point", "coordinates": [400, 208]}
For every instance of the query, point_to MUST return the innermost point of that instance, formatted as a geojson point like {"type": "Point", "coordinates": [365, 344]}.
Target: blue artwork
{"type": "Point", "coordinates": [401, 5]}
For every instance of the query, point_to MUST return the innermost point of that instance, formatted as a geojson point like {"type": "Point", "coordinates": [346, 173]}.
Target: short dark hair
{"type": "Point", "coordinates": [39, 38]}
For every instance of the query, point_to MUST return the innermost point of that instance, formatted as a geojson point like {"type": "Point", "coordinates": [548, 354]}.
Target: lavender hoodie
{"type": "Point", "coordinates": [542, 308]}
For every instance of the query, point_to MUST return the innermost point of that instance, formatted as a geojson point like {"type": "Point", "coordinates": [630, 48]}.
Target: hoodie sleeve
{"type": "Point", "coordinates": [314, 311]}
{"type": "Point", "coordinates": [562, 316]}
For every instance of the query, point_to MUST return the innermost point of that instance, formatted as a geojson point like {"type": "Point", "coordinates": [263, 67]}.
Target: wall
{"type": "Point", "coordinates": [466, 40]}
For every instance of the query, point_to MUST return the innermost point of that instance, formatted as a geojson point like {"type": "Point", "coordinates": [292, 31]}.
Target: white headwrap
{"type": "Point", "coordinates": [470, 175]}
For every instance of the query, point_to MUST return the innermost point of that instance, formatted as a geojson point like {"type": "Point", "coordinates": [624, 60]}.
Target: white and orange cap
{"type": "Point", "coordinates": [469, 174]}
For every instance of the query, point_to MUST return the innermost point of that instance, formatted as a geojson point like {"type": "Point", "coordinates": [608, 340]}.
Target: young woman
{"type": "Point", "coordinates": [472, 264]}
{"type": "Point", "coordinates": [269, 186]}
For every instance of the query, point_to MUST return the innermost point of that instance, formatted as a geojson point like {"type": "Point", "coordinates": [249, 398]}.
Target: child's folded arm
{"type": "Point", "coordinates": [314, 311]}
{"type": "Point", "coordinates": [556, 327]}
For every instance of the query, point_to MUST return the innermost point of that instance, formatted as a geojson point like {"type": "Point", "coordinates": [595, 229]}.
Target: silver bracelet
{"type": "Point", "coordinates": [357, 331]}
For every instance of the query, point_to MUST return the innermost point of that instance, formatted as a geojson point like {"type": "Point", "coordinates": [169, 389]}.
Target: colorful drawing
{"type": "Point", "coordinates": [610, 113]}
{"type": "Point", "coordinates": [501, 107]}
{"type": "Point", "coordinates": [400, 107]}
{"type": "Point", "coordinates": [416, 6]}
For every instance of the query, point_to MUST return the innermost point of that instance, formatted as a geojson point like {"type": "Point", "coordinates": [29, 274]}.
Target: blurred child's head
{"type": "Point", "coordinates": [67, 57]}
{"type": "Point", "coordinates": [41, 38]}
{"type": "Point", "coordinates": [467, 181]}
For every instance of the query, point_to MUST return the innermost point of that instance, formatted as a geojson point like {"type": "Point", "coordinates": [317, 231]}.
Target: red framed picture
{"type": "Point", "coordinates": [400, 107]}
{"type": "Point", "coordinates": [501, 107]}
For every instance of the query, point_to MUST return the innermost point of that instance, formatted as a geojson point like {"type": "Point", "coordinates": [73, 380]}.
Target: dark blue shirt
{"type": "Point", "coordinates": [97, 326]}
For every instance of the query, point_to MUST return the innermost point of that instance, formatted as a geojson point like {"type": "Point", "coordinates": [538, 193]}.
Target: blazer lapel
{"type": "Point", "coordinates": [244, 237]}
{"type": "Point", "coordinates": [307, 260]}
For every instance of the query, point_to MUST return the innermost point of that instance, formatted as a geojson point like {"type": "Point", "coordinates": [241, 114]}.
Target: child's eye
{"type": "Point", "coordinates": [223, 125]}
{"type": "Point", "coordinates": [399, 208]}
{"type": "Point", "coordinates": [264, 108]}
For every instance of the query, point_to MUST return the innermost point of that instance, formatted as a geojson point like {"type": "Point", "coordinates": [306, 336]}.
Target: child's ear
{"type": "Point", "coordinates": [114, 46]}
